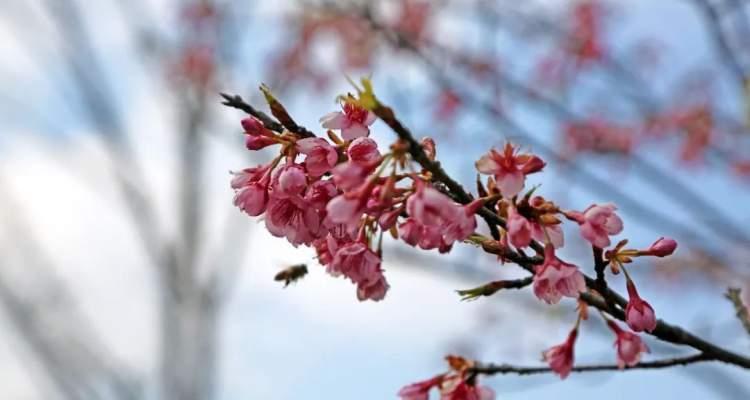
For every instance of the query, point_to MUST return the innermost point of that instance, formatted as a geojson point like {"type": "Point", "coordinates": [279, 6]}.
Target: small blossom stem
{"type": "Point", "coordinates": [503, 369]}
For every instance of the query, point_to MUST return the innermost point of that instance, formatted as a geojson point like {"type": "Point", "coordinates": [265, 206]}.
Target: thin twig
{"type": "Point", "coordinates": [235, 101]}
{"type": "Point", "coordinates": [492, 369]}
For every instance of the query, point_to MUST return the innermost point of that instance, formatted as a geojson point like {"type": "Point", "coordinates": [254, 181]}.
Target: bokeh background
{"type": "Point", "coordinates": [126, 273]}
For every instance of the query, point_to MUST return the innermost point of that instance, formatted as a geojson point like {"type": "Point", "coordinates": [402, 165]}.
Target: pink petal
{"type": "Point", "coordinates": [487, 165]}
{"type": "Point", "coordinates": [334, 120]}
{"type": "Point", "coordinates": [354, 131]}
{"type": "Point", "coordinates": [510, 183]}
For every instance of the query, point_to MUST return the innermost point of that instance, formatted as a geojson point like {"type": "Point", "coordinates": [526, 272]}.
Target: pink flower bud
{"type": "Point", "coordinates": [638, 313]}
{"type": "Point", "coordinates": [661, 248]}
{"type": "Point", "coordinates": [253, 126]}
{"type": "Point", "coordinates": [253, 142]}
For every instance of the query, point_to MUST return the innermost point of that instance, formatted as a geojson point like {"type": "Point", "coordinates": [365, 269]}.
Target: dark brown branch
{"type": "Point", "coordinates": [608, 299]}
{"type": "Point", "coordinates": [492, 369]}
{"type": "Point", "coordinates": [235, 101]}
{"type": "Point", "coordinates": [735, 296]}
{"type": "Point", "coordinates": [599, 267]}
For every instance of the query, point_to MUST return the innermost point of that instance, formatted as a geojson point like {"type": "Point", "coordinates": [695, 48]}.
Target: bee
{"type": "Point", "coordinates": [291, 274]}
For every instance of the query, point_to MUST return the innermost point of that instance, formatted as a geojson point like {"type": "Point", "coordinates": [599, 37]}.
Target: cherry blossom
{"type": "Point", "coordinates": [598, 222]}
{"type": "Point", "coordinates": [462, 390]}
{"type": "Point", "coordinates": [321, 156]}
{"type": "Point", "coordinates": [363, 150]}
{"type": "Point", "coordinates": [419, 390]}
{"type": "Point", "coordinates": [560, 358]}
{"type": "Point", "coordinates": [629, 346]}
{"type": "Point", "coordinates": [509, 168]}
{"type": "Point", "coordinates": [353, 121]}
{"type": "Point", "coordinates": [556, 278]}
{"type": "Point", "coordinates": [519, 229]}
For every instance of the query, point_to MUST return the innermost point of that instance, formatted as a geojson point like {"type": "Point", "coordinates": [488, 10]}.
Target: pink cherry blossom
{"type": "Point", "coordinates": [430, 207]}
{"type": "Point", "coordinates": [560, 358]}
{"type": "Point", "coordinates": [410, 231]}
{"type": "Point", "coordinates": [553, 232]}
{"type": "Point", "coordinates": [556, 278]}
{"type": "Point", "coordinates": [353, 121]}
{"type": "Point", "coordinates": [598, 223]}
{"type": "Point", "coordinates": [629, 346]}
{"type": "Point", "coordinates": [374, 288]}
{"type": "Point", "coordinates": [388, 219]}
{"type": "Point", "coordinates": [294, 219]}
{"type": "Point", "coordinates": [345, 209]}
{"type": "Point", "coordinates": [248, 176]}
{"type": "Point", "coordinates": [437, 221]}
{"type": "Point", "coordinates": [319, 193]}
{"type": "Point", "coordinates": [510, 169]}
{"type": "Point", "coordinates": [463, 224]}
{"type": "Point", "coordinates": [252, 199]}
{"type": "Point", "coordinates": [251, 186]}
{"type": "Point", "coordinates": [327, 247]}
{"type": "Point", "coordinates": [638, 313]}
{"type": "Point", "coordinates": [321, 156]}
{"type": "Point", "coordinates": [519, 229]}
{"type": "Point", "coordinates": [662, 247]}
{"type": "Point", "coordinates": [356, 261]}
{"type": "Point", "coordinates": [289, 180]}
{"type": "Point", "coordinates": [419, 390]}
{"type": "Point", "coordinates": [363, 150]}
{"type": "Point", "coordinates": [349, 175]}
{"type": "Point", "coordinates": [464, 391]}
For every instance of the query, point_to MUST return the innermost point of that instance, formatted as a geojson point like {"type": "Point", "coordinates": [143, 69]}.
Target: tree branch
{"type": "Point", "coordinates": [493, 369]}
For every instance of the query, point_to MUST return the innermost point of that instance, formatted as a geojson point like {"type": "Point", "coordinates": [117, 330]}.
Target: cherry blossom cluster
{"type": "Point", "coordinates": [340, 195]}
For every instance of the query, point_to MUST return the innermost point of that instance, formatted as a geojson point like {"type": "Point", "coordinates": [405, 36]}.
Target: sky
{"type": "Point", "coordinates": [313, 339]}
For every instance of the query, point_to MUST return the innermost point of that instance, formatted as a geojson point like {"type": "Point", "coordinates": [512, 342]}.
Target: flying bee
{"type": "Point", "coordinates": [291, 274]}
